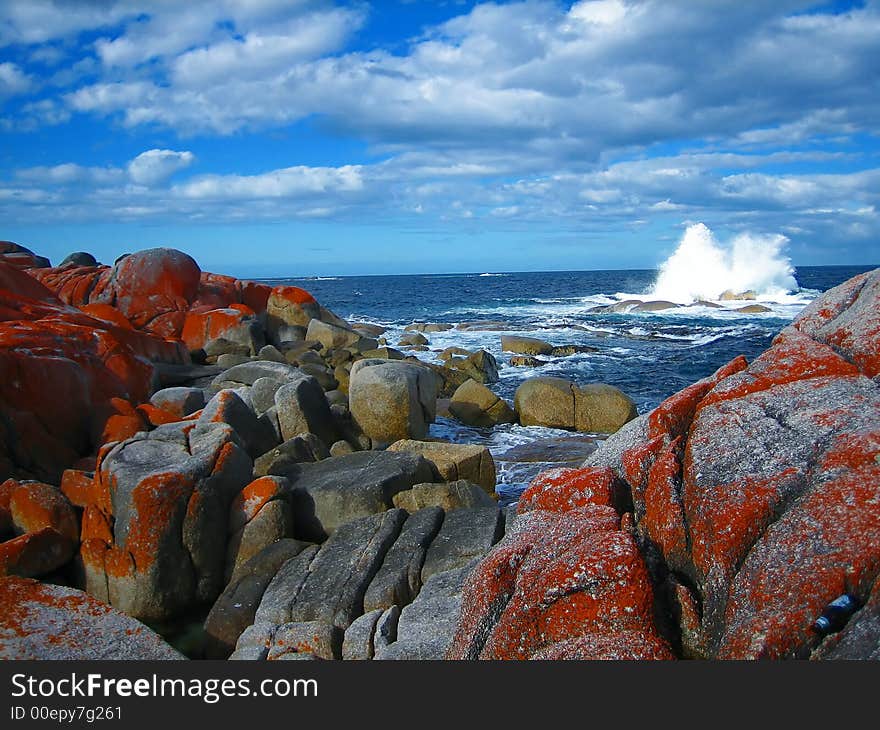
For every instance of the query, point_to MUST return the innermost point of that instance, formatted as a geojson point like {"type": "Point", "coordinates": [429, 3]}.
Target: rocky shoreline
{"type": "Point", "coordinates": [239, 468]}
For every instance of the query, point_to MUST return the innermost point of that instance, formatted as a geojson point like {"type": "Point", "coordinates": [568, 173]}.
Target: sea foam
{"type": "Point", "coordinates": [703, 268]}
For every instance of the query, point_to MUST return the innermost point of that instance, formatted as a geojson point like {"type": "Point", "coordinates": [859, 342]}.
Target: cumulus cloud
{"type": "Point", "coordinates": [13, 80]}
{"type": "Point", "coordinates": [154, 166]}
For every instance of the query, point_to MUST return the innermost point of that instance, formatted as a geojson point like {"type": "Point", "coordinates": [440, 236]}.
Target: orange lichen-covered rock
{"type": "Point", "coordinates": [290, 306]}
{"type": "Point", "coordinates": [560, 577]}
{"type": "Point", "coordinates": [564, 489]}
{"type": "Point", "coordinates": [40, 621]}
{"type": "Point", "coordinates": [168, 492]}
{"type": "Point", "coordinates": [253, 497]}
{"type": "Point", "coordinates": [234, 323]}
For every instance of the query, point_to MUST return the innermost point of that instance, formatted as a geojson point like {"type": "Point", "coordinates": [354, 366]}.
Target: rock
{"type": "Point", "coordinates": [455, 461]}
{"type": "Point", "coordinates": [384, 353]}
{"type": "Point", "coordinates": [300, 449]}
{"type": "Point", "coordinates": [368, 330]}
{"type": "Point", "coordinates": [341, 448]}
{"type": "Point", "coordinates": [228, 407]}
{"type": "Point", "coordinates": [315, 639]}
{"type": "Point", "coordinates": [329, 493]}
{"type": "Point", "coordinates": [235, 608]}
{"type": "Point", "coordinates": [230, 360]}
{"type": "Point", "coordinates": [247, 373]}
{"type": "Point", "coordinates": [19, 257]}
{"type": "Point", "coordinates": [426, 627]}
{"type": "Point", "coordinates": [332, 589]}
{"type": "Point", "coordinates": [322, 374]}
{"type": "Point", "coordinates": [169, 492]}
{"type": "Point", "coordinates": [464, 535]}
{"type": "Point", "coordinates": [302, 408]}
{"type": "Point", "coordinates": [480, 366]}
{"type": "Point", "coordinates": [557, 579]}
{"type": "Point", "coordinates": [386, 628]}
{"type": "Point", "coordinates": [399, 580]}
{"type": "Point", "coordinates": [289, 306]}
{"type": "Point", "coordinates": [527, 361]}
{"type": "Point", "coordinates": [484, 325]}
{"type": "Point", "coordinates": [357, 643]}
{"type": "Point", "coordinates": [729, 295]}
{"type": "Point", "coordinates": [273, 522]}
{"type": "Point", "coordinates": [655, 306]}
{"type": "Point", "coordinates": [476, 405]}
{"type": "Point", "coordinates": [270, 352]}
{"type": "Point", "coordinates": [79, 258]}
{"type": "Point", "coordinates": [450, 496]}
{"type": "Point", "coordinates": [558, 403]}
{"type": "Point", "coordinates": [180, 401]}
{"type": "Point", "coordinates": [331, 337]}
{"type": "Point", "coordinates": [450, 352]}
{"type": "Point", "coordinates": [423, 327]}
{"type": "Point", "coordinates": [525, 345]}
{"type": "Point", "coordinates": [42, 621]}
{"type": "Point", "coordinates": [753, 309]}
{"type": "Point", "coordinates": [413, 340]}
{"type": "Point", "coordinates": [235, 327]}
{"type": "Point", "coordinates": [449, 379]}
{"type": "Point", "coordinates": [391, 400]}
{"type": "Point", "coordinates": [568, 350]}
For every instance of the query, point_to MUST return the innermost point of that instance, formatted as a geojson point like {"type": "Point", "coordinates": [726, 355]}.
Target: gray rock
{"type": "Point", "coordinates": [386, 629]}
{"type": "Point", "coordinates": [329, 493]}
{"type": "Point", "coordinates": [254, 642]}
{"type": "Point", "coordinates": [302, 408]}
{"type": "Point", "coordinates": [330, 586]}
{"type": "Point", "coordinates": [263, 394]}
{"type": "Point", "coordinates": [79, 258]}
{"type": "Point", "coordinates": [313, 638]}
{"type": "Point", "coordinates": [525, 345]}
{"type": "Point", "coordinates": [332, 336]}
{"type": "Point", "coordinates": [181, 401]}
{"type": "Point", "coordinates": [270, 352]}
{"type": "Point", "coordinates": [41, 621]}
{"type": "Point", "coordinates": [228, 407]}
{"type": "Point", "coordinates": [358, 641]}
{"type": "Point", "coordinates": [427, 626]}
{"type": "Point", "coordinates": [236, 607]}
{"type": "Point", "coordinates": [399, 579]}
{"type": "Point", "coordinates": [341, 448]}
{"type": "Point", "coordinates": [612, 449]}
{"type": "Point", "coordinates": [465, 534]}
{"type": "Point", "coordinates": [247, 373]}
{"type": "Point", "coordinates": [304, 448]}
{"type": "Point", "coordinates": [231, 359]}
{"type": "Point", "coordinates": [322, 374]}
{"type": "Point", "coordinates": [223, 346]}
{"type": "Point", "coordinates": [272, 523]}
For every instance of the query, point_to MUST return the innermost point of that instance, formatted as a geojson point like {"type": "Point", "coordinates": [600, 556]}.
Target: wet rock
{"type": "Point", "coordinates": [475, 405]}
{"type": "Point", "coordinates": [525, 345]}
{"type": "Point", "coordinates": [558, 403]}
{"type": "Point", "coordinates": [479, 366]}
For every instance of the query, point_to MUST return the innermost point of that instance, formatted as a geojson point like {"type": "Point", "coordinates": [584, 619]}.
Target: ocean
{"type": "Point", "coordinates": [648, 355]}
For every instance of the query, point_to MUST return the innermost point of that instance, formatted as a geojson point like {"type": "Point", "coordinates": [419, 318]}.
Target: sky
{"type": "Point", "coordinates": [309, 137]}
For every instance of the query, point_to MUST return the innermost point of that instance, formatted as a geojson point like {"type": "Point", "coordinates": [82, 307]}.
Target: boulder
{"type": "Point", "coordinates": [460, 494]}
{"type": "Point", "coordinates": [235, 325]}
{"type": "Point", "coordinates": [235, 608]}
{"type": "Point", "coordinates": [427, 327]}
{"type": "Point", "coordinates": [79, 258]}
{"type": "Point", "coordinates": [412, 340]}
{"type": "Point", "coordinates": [169, 492]}
{"type": "Point", "coordinates": [42, 621]}
{"type": "Point", "coordinates": [391, 400]}
{"type": "Point", "coordinates": [527, 361]}
{"type": "Point", "coordinates": [464, 535]}
{"type": "Point", "coordinates": [332, 492]}
{"type": "Point", "coordinates": [427, 626]}
{"type": "Point", "coordinates": [525, 345]}
{"type": "Point", "coordinates": [331, 336]}
{"type": "Point", "coordinates": [289, 306]}
{"type": "Point", "coordinates": [227, 407]}
{"type": "Point", "coordinates": [475, 405]}
{"type": "Point", "coordinates": [19, 257]}
{"type": "Point", "coordinates": [753, 309]}
{"type": "Point", "coordinates": [655, 306]}
{"type": "Point", "coordinates": [357, 643]}
{"type": "Point", "coordinates": [559, 403]}
{"type": "Point", "coordinates": [300, 449]}
{"type": "Point", "coordinates": [368, 330]}
{"type": "Point", "coordinates": [399, 579]}
{"type": "Point", "coordinates": [479, 366]}
{"type": "Point", "coordinates": [728, 295]}
{"type": "Point", "coordinates": [180, 401]}
{"type": "Point", "coordinates": [450, 352]}
{"type": "Point", "coordinates": [455, 461]}
{"type": "Point", "coordinates": [302, 408]}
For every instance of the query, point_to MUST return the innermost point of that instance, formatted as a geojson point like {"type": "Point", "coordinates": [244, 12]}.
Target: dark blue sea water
{"type": "Point", "coordinates": [647, 355]}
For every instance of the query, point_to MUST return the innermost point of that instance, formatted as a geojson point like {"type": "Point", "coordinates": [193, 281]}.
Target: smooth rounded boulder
{"type": "Point", "coordinates": [559, 403]}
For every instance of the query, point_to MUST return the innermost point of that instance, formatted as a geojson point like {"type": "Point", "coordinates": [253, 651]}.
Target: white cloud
{"type": "Point", "coordinates": [285, 183]}
{"type": "Point", "coordinates": [13, 80]}
{"type": "Point", "coordinates": [69, 173]}
{"type": "Point", "coordinates": [154, 166]}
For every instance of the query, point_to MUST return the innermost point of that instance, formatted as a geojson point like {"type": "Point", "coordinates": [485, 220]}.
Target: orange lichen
{"type": "Point", "coordinates": [559, 490]}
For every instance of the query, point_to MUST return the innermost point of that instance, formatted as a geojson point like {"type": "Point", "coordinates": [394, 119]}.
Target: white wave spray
{"type": "Point", "coordinates": [701, 268]}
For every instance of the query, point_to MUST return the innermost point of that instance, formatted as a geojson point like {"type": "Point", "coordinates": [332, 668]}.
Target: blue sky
{"type": "Point", "coordinates": [285, 137]}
